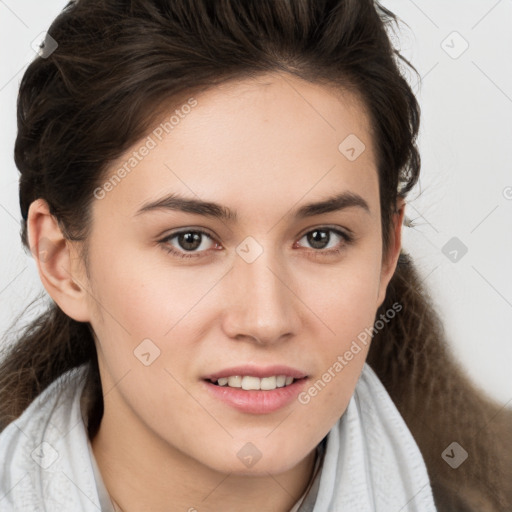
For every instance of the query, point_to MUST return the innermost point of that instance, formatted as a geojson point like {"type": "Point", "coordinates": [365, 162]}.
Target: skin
{"type": "Point", "coordinates": [263, 148]}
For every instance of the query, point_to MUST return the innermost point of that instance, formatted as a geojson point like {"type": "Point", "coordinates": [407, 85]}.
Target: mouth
{"type": "Point", "coordinates": [250, 389]}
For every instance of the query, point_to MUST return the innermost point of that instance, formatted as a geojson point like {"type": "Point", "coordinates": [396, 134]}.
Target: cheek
{"type": "Point", "coordinates": [127, 307]}
{"type": "Point", "coordinates": [136, 300]}
{"type": "Point", "coordinates": [347, 308]}
{"type": "Point", "coordinates": [344, 299]}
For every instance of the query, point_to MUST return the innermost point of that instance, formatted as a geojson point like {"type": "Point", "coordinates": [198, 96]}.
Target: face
{"type": "Point", "coordinates": [271, 288]}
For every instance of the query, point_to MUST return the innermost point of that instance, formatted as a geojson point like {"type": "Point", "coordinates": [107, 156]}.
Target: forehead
{"type": "Point", "coordinates": [245, 143]}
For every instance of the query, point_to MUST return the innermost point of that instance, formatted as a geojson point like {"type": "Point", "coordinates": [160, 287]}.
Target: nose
{"type": "Point", "coordinates": [262, 306]}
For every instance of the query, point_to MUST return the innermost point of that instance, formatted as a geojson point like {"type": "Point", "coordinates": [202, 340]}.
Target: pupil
{"type": "Point", "coordinates": [190, 240]}
{"type": "Point", "coordinates": [318, 238]}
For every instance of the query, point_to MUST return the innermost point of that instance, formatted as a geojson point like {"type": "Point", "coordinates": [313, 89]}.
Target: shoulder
{"type": "Point", "coordinates": [42, 449]}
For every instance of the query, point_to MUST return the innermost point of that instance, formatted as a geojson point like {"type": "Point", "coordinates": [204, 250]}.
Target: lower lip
{"type": "Point", "coordinates": [257, 401]}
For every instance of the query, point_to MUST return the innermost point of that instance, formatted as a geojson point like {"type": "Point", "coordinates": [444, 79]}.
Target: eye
{"type": "Point", "coordinates": [189, 242]}
{"type": "Point", "coordinates": [320, 238]}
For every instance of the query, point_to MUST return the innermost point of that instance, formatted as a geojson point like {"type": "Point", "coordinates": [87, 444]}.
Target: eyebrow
{"type": "Point", "coordinates": [177, 202]}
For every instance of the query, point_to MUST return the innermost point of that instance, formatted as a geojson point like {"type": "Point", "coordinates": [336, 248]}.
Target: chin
{"type": "Point", "coordinates": [250, 461]}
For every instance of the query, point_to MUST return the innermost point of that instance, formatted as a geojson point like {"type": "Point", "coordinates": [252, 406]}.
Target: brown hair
{"type": "Point", "coordinates": [119, 65]}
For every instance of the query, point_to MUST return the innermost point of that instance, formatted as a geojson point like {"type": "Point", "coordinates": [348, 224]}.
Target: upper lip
{"type": "Point", "coordinates": [256, 371]}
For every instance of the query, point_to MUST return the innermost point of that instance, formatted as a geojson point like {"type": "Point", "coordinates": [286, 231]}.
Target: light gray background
{"type": "Point", "coordinates": [466, 185]}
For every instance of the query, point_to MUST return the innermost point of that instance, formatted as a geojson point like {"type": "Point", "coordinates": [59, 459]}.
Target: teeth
{"type": "Point", "coordinates": [268, 383]}
{"type": "Point", "coordinates": [234, 382]}
{"type": "Point", "coordinates": [249, 382]}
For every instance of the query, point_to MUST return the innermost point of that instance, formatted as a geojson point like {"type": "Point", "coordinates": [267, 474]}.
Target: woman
{"type": "Point", "coordinates": [214, 193]}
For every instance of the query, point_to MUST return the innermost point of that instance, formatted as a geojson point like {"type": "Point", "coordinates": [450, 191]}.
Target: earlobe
{"type": "Point", "coordinates": [52, 253]}
{"type": "Point", "coordinates": [391, 259]}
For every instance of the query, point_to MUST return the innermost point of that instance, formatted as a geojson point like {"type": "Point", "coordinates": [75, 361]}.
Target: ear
{"type": "Point", "coordinates": [390, 260]}
{"type": "Point", "coordinates": [57, 262]}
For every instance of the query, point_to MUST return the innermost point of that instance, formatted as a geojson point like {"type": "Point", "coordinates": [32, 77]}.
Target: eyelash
{"type": "Point", "coordinates": [348, 239]}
